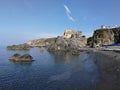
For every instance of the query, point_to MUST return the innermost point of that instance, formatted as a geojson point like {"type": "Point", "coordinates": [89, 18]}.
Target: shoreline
{"type": "Point", "coordinates": [109, 65]}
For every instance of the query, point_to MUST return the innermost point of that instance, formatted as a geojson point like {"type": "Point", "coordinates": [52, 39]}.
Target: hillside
{"type": "Point", "coordinates": [41, 42]}
{"type": "Point", "coordinates": [106, 36]}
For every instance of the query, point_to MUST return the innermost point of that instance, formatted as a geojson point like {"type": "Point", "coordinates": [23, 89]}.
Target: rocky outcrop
{"type": "Point", "coordinates": [69, 41]}
{"type": "Point", "coordinates": [40, 42]}
{"type": "Point", "coordinates": [24, 58]}
{"type": "Point", "coordinates": [68, 33]}
{"type": "Point", "coordinates": [71, 33]}
{"type": "Point", "coordinates": [19, 47]}
{"type": "Point", "coordinates": [106, 36]}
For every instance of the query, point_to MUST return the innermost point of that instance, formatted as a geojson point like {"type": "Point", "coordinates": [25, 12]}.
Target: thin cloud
{"type": "Point", "coordinates": [71, 18]}
{"type": "Point", "coordinates": [67, 9]}
{"type": "Point", "coordinates": [68, 12]}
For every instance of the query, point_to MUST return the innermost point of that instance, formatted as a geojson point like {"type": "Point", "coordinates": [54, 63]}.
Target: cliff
{"type": "Point", "coordinates": [106, 36]}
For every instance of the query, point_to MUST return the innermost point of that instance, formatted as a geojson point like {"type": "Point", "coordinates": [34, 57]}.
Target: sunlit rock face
{"type": "Point", "coordinates": [71, 40]}
{"type": "Point", "coordinates": [71, 33]}
{"type": "Point", "coordinates": [68, 33]}
{"type": "Point", "coordinates": [106, 36]}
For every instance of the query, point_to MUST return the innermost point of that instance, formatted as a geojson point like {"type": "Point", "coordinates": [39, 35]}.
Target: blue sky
{"type": "Point", "coordinates": [23, 20]}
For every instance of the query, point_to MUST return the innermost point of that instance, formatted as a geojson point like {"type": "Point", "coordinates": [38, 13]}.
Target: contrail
{"type": "Point", "coordinates": [68, 12]}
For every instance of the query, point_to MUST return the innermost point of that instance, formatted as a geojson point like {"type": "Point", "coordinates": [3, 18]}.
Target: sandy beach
{"type": "Point", "coordinates": [109, 66]}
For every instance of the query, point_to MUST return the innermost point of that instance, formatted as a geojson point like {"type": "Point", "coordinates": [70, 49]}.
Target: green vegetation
{"type": "Point", "coordinates": [49, 40]}
{"type": "Point", "coordinates": [90, 41]}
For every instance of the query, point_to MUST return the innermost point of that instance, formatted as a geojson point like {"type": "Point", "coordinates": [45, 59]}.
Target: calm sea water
{"type": "Point", "coordinates": [48, 71]}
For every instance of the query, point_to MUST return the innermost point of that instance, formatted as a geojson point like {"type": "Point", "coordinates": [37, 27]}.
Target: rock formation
{"type": "Point", "coordinates": [106, 36]}
{"type": "Point", "coordinates": [19, 47]}
{"type": "Point", "coordinates": [24, 58]}
{"type": "Point", "coordinates": [71, 33]}
{"type": "Point", "coordinates": [71, 40]}
{"type": "Point", "coordinates": [68, 34]}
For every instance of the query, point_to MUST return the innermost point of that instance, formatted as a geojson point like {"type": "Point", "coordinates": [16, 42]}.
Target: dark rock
{"type": "Point", "coordinates": [76, 52]}
{"type": "Point", "coordinates": [24, 58]}
{"type": "Point", "coordinates": [15, 56]}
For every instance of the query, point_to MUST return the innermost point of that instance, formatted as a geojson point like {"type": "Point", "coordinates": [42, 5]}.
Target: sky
{"type": "Point", "coordinates": [24, 20]}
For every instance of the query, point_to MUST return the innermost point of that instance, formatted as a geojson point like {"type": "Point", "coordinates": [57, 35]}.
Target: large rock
{"type": "Point", "coordinates": [106, 36]}
{"type": "Point", "coordinates": [24, 58]}
{"type": "Point", "coordinates": [68, 42]}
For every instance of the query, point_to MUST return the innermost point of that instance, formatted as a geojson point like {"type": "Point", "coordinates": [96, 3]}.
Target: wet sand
{"type": "Point", "coordinates": [109, 66]}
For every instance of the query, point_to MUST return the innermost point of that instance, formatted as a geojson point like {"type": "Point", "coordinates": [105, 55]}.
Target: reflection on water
{"type": "Point", "coordinates": [22, 63]}
{"type": "Point", "coordinates": [59, 77]}
{"type": "Point", "coordinates": [49, 71]}
{"type": "Point", "coordinates": [65, 57]}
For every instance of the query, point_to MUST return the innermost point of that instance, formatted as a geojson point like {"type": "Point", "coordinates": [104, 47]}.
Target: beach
{"type": "Point", "coordinates": [109, 65]}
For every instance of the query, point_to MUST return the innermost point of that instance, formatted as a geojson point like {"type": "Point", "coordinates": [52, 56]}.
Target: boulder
{"type": "Point", "coordinates": [24, 58]}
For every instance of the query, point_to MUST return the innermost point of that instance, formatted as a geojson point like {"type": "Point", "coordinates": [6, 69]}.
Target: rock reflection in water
{"type": "Point", "coordinates": [65, 57]}
{"type": "Point", "coordinates": [59, 77]}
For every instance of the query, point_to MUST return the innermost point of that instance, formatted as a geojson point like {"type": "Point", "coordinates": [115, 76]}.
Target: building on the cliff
{"type": "Point", "coordinates": [109, 27]}
{"type": "Point", "coordinates": [105, 27]}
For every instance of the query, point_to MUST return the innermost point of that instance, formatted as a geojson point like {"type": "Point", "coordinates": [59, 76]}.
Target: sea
{"type": "Point", "coordinates": [49, 71]}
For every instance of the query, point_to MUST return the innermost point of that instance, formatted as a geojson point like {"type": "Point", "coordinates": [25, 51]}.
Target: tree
{"type": "Point", "coordinates": [90, 41]}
